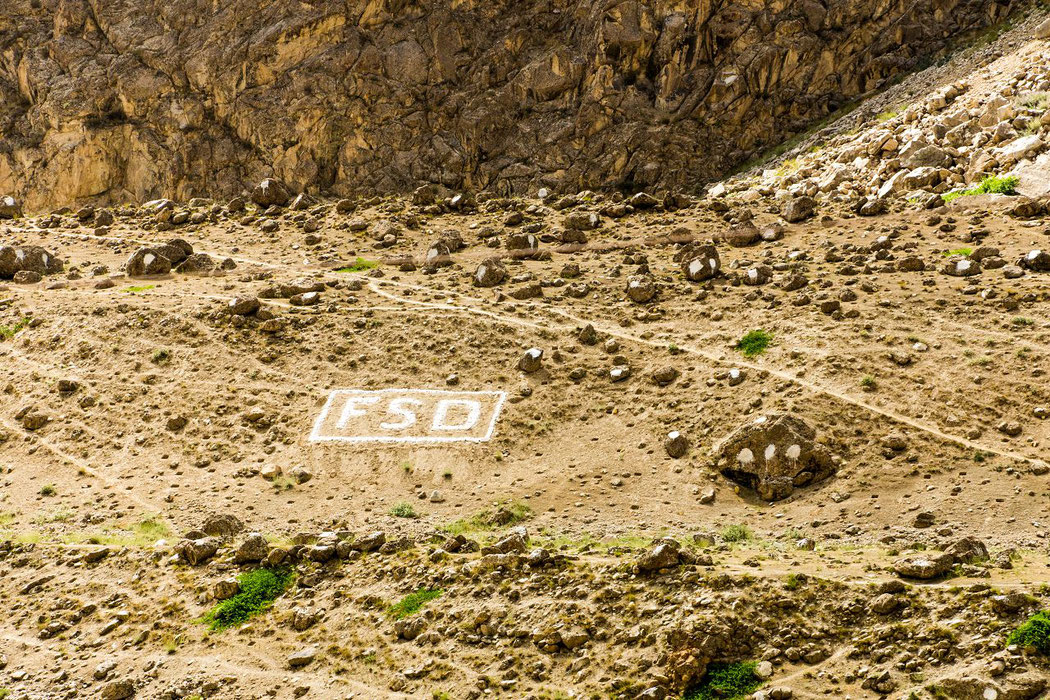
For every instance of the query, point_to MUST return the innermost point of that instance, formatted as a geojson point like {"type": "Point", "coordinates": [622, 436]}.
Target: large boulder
{"type": "Point", "coordinates": [700, 263]}
{"type": "Point", "coordinates": [222, 525]}
{"type": "Point", "coordinates": [798, 209]}
{"type": "Point", "coordinates": [439, 254]}
{"type": "Point", "coordinates": [176, 250]}
{"type": "Point", "coordinates": [271, 192]}
{"type": "Point", "coordinates": [774, 455]}
{"type": "Point", "coordinates": [1025, 687]}
{"type": "Point", "coordinates": [490, 273]}
{"type": "Point", "coordinates": [1036, 260]}
{"type": "Point", "coordinates": [29, 258]}
{"type": "Point", "coordinates": [968, 550]}
{"type": "Point", "coordinates": [960, 266]}
{"type": "Point", "coordinates": [36, 259]}
{"type": "Point", "coordinates": [523, 245]}
{"type": "Point", "coordinates": [199, 550]}
{"type": "Point", "coordinates": [147, 261]}
{"type": "Point", "coordinates": [924, 566]}
{"type": "Point", "coordinates": [665, 554]}
{"type": "Point", "coordinates": [253, 549]}
{"type": "Point", "coordinates": [197, 264]}
{"type": "Point", "coordinates": [641, 289]}
{"type": "Point", "coordinates": [9, 208]}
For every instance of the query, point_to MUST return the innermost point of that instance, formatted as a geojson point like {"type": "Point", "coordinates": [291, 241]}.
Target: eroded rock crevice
{"type": "Point", "coordinates": [131, 100]}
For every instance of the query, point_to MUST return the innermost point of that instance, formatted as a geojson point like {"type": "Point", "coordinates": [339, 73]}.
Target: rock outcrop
{"type": "Point", "coordinates": [139, 99]}
{"type": "Point", "coordinates": [774, 455]}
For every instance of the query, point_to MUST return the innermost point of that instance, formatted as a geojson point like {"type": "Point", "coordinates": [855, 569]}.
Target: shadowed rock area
{"type": "Point", "coordinates": [131, 100]}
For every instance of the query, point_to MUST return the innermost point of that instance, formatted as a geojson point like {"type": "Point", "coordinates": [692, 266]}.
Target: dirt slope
{"type": "Point", "coordinates": [627, 528]}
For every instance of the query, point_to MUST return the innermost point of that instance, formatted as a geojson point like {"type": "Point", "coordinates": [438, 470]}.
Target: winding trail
{"type": "Point", "coordinates": [712, 357]}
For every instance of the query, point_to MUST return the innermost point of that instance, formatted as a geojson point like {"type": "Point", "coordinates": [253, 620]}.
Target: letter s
{"type": "Point", "coordinates": [408, 418]}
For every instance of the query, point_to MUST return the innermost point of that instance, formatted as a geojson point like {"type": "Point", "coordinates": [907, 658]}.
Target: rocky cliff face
{"type": "Point", "coordinates": [133, 99]}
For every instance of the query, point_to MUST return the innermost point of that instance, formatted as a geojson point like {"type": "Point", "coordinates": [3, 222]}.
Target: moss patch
{"type": "Point", "coordinates": [727, 682]}
{"type": "Point", "coordinates": [1033, 633]}
{"type": "Point", "coordinates": [505, 515]}
{"type": "Point", "coordinates": [989, 185]}
{"type": "Point", "coordinates": [413, 603]}
{"type": "Point", "coordinates": [259, 588]}
{"type": "Point", "coordinates": [359, 265]}
{"type": "Point", "coordinates": [754, 343]}
{"type": "Point", "coordinates": [7, 332]}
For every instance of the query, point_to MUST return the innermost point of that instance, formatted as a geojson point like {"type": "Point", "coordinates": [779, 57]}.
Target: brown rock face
{"type": "Point", "coordinates": [134, 99]}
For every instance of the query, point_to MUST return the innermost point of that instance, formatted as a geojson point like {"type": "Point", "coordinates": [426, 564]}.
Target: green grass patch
{"type": "Point", "coordinates": [403, 510]}
{"type": "Point", "coordinates": [359, 265]}
{"type": "Point", "coordinates": [754, 343]}
{"type": "Point", "coordinates": [737, 533]}
{"type": "Point", "coordinates": [1035, 632]}
{"type": "Point", "coordinates": [136, 290]}
{"type": "Point", "coordinates": [958, 251]}
{"type": "Point", "coordinates": [259, 588]}
{"type": "Point", "coordinates": [62, 515]}
{"type": "Point", "coordinates": [886, 116]}
{"type": "Point", "coordinates": [727, 682]}
{"type": "Point", "coordinates": [153, 529]}
{"type": "Point", "coordinates": [8, 332]}
{"type": "Point", "coordinates": [413, 603]}
{"type": "Point", "coordinates": [487, 520]}
{"type": "Point", "coordinates": [1039, 101]}
{"type": "Point", "coordinates": [989, 185]}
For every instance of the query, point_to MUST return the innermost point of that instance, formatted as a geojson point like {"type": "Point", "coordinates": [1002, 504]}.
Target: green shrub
{"type": "Point", "coordinates": [727, 682]}
{"type": "Point", "coordinates": [754, 343]}
{"type": "Point", "coordinates": [989, 185]}
{"type": "Point", "coordinates": [736, 533]}
{"type": "Point", "coordinates": [8, 332]}
{"type": "Point", "coordinates": [1033, 633]}
{"type": "Point", "coordinates": [413, 603]}
{"type": "Point", "coordinates": [403, 510]}
{"type": "Point", "coordinates": [259, 588]}
{"type": "Point", "coordinates": [1039, 101]}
